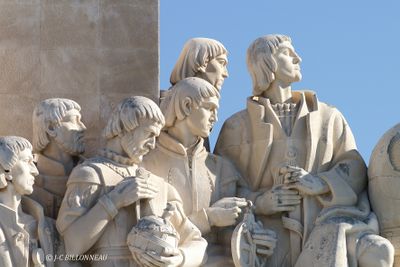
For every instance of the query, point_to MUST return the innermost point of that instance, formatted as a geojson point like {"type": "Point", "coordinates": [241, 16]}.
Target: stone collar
{"type": "Point", "coordinates": [171, 144]}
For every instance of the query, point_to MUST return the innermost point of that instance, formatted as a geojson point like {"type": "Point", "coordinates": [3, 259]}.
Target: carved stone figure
{"type": "Point", "coordinates": [207, 183]}
{"type": "Point", "coordinates": [26, 235]}
{"type": "Point", "coordinates": [300, 155]}
{"type": "Point", "coordinates": [58, 143]}
{"type": "Point", "coordinates": [203, 58]}
{"type": "Point", "coordinates": [108, 194]}
{"type": "Point", "coordinates": [384, 177]}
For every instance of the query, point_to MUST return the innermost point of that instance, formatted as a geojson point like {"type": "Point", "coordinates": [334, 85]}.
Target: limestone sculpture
{"type": "Point", "coordinates": [300, 155]}
{"type": "Point", "coordinates": [203, 58]}
{"type": "Point", "coordinates": [58, 143]}
{"type": "Point", "coordinates": [384, 175]}
{"type": "Point", "coordinates": [107, 195]}
{"type": "Point", "coordinates": [26, 235]}
{"type": "Point", "coordinates": [208, 183]}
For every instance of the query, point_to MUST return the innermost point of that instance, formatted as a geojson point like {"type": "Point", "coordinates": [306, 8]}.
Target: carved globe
{"type": "Point", "coordinates": [152, 234]}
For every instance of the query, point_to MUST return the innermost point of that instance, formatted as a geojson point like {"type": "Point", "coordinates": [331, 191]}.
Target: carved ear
{"type": "Point", "coordinates": [51, 130]}
{"type": "Point", "coordinates": [187, 106]}
{"type": "Point", "coordinates": [4, 177]}
{"type": "Point", "coordinates": [202, 69]}
{"type": "Point", "coordinates": [3, 181]}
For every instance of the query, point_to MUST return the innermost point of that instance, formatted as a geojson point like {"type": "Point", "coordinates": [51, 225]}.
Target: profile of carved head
{"type": "Point", "coordinates": [204, 58]}
{"type": "Point", "coordinates": [260, 60]}
{"type": "Point", "coordinates": [16, 164]}
{"type": "Point", "coordinates": [137, 120]}
{"type": "Point", "coordinates": [58, 120]}
{"type": "Point", "coordinates": [194, 99]}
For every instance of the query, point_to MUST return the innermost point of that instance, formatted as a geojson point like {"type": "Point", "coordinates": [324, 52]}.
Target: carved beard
{"type": "Point", "coordinates": [131, 148]}
{"type": "Point", "coordinates": [76, 148]}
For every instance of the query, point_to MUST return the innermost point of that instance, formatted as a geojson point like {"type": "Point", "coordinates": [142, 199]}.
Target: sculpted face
{"type": "Point", "coordinates": [201, 119]}
{"type": "Point", "coordinates": [288, 68]}
{"type": "Point", "coordinates": [69, 134]}
{"type": "Point", "coordinates": [23, 173]}
{"type": "Point", "coordinates": [141, 140]}
{"type": "Point", "coordinates": [216, 71]}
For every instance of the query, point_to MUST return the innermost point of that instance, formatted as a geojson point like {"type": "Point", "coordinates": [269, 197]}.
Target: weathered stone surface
{"type": "Point", "coordinates": [69, 25]}
{"type": "Point", "coordinates": [128, 71]}
{"type": "Point", "coordinates": [91, 51]}
{"type": "Point", "coordinates": [19, 25]}
{"type": "Point", "coordinates": [13, 114]}
{"type": "Point", "coordinates": [19, 72]}
{"type": "Point", "coordinates": [69, 70]}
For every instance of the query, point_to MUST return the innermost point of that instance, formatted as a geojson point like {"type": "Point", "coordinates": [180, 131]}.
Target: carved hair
{"type": "Point", "coordinates": [10, 147]}
{"type": "Point", "coordinates": [192, 88]}
{"type": "Point", "coordinates": [129, 113]}
{"type": "Point", "coordinates": [195, 55]}
{"type": "Point", "coordinates": [260, 63]}
{"type": "Point", "coordinates": [49, 112]}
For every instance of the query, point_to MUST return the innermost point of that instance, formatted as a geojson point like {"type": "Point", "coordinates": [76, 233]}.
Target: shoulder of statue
{"type": "Point", "coordinates": [86, 172]}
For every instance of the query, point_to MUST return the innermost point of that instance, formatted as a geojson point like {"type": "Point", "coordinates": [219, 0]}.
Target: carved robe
{"type": "Point", "coordinates": [86, 201]}
{"type": "Point", "coordinates": [200, 179]}
{"type": "Point", "coordinates": [16, 244]}
{"type": "Point", "coordinates": [321, 143]}
{"type": "Point", "coordinates": [50, 185]}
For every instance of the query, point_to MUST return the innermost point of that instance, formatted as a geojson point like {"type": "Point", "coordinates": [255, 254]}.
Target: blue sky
{"type": "Point", "coordinates": [350, 53]}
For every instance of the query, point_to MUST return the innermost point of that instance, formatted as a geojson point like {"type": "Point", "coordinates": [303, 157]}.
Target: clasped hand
{"type": "Point", "coordinates": [225, 211]}
{"type": "Point", "coordinates": [265, 241]}
{"type": "Point", "coordinates": [302, 181]}
{"type": "Point", "coordinates": [286, 197]}
{"type": "Point", "coordinates": [131, 190]}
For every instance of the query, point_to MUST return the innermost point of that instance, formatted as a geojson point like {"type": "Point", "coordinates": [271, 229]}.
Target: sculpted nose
{"type": "Point", "coordinates": [296, 58]}
{"type": "Point", "coordinates": [225, 73]}
{"type": "Point", "coordinates": [214, 117]}
{"type": "Point", "coordinates": [82, 126]}
{"type": "Point", "coordinates": [34, 170]}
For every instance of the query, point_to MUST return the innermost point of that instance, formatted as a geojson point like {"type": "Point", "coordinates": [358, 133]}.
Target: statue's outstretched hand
{"type": "Point", "coordinates": [303, 181]}
{"type": "Point", "coordinates": [131, 190]}
{"type": "Point", "coordinates": [278, 199]}
{"type": "Point", "coordinates": [225, 211]}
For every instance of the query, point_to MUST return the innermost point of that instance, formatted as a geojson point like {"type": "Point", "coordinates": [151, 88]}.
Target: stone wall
{"type": "Point", "coordinates": [95, 52]}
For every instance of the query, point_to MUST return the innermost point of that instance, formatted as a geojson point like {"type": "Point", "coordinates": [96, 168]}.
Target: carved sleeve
{"type": "Point", "coordinates": [85, 212]}
{"type": "Point", "coordinates": [5, 257]}
{"type": "Point", "coordinates": [191, 244]}
{"type": "Point", "coordinates": [346, 174]}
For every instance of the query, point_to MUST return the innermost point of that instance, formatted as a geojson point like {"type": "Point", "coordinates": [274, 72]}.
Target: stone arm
{"type": "Point", "coordinates": [191, 244]}
{"type": "Point", "coordinates": [84, 213]}
{"type": "Point", "coordinates": [346, 171]}
{"type": "Point", "coordinates": [5, 257]}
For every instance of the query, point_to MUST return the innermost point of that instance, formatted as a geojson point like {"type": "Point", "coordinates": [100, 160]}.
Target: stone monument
{"type": "Point", "coordinates": [26, 236]}
{"type": "Point", "coordinates": [108, 195]}
{"type": "Point", "coordinates": [384, 177]}
{"type": "Point", "coordinates": [203, 58]}
{"type": "Point", "coordinates": [58, 142]}
{"type": "Point", "coordinates": [209, 184]}
{"type": "Point", "coordinates": [95, 52]}
{"type": "Point", "coordinates": [300, 155]}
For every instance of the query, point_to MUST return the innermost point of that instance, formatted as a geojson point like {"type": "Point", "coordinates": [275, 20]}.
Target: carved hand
{"type": "Point", "coordinates": [276, 200]}
{"type": "Point", "coordinates": [303, 181]}
{"type": "Point", "coordinates": [265, 241]}
{"type": "Point", "coordinates": [225, 211]}
{"type": "Point", "coordinates": [174, 258]}
{"type": "Point", "coordinates": [131, 190]}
